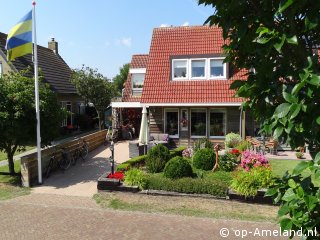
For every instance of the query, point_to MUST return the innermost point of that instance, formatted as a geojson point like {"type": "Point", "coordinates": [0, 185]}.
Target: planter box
{"type": "Point", "coordinates": [111, 184]}
{"type": "Point", "coordinates": [259, 198]}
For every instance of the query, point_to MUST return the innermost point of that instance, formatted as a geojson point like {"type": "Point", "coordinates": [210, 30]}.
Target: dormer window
{"type": "Point", "coordinates": [180, 69]}
{"type": "Point", "coordinates": [137, 79]}
{"type": "Point", "coordinates": [199, 68]}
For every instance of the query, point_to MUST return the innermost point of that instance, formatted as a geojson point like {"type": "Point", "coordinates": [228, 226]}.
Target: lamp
{"type": "Point", "coordinates": [112, 156]}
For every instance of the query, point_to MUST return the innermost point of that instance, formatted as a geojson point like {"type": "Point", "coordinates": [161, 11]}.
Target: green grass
{"type": "Point", "coordinates": [9, 191]}
{"type": "Point", "coordinates": [3, 155]}
{"type": "Point", "coordinates": [10, 179]}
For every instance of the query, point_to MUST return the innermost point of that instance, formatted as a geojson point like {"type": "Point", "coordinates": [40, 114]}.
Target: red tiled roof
{"type": "Point", "coordinates": [177, 41]}
{"type": "Point", "coordinates": [137, 61]}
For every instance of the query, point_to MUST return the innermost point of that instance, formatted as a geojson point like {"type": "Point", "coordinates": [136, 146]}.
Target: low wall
{"type": "Point", "coordinates": [29, 163]}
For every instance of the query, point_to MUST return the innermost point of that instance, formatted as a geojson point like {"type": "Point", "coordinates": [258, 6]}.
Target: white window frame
{"type": "Point", "coordinates": [165, 121]}
{"type": "Point", "coordinates": [224, 111]}
{"type": "Point", "coordinates": [224, 77]}
{"type": "Point", "coordinates": [187, 69]}
{"type": "Point", "coordinates": [137, 89]}
{"type": "Point", "coordinates": [206, 132]}
{"type": "Point", "coordinates": [205, 67]}
{"type": "Point", "coordinates": [64, 105]}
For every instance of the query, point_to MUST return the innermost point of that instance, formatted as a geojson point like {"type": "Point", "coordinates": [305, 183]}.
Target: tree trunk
{"type": "Point", "coordinates": [99, 120]}
{"type": "Point", "coordinates": [10, 163]}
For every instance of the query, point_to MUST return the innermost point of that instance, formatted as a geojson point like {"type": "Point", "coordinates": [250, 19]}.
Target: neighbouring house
{"type": "Point", "coordinates": [184, 83]}
{"type": "Point", "coordinates": [55, 72]}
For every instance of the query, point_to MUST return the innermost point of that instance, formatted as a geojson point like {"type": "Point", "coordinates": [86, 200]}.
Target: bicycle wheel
{"type": "Point", "coordinates": [65, 162]}
{"type": "Point", "coordinates": [49, 167]}
{"type": "Point", "coordinates": [84, 151]}
{"type": "Point", "coordinates": [75, 157]}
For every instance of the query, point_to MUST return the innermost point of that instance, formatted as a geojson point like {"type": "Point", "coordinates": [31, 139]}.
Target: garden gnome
{"type": "Point", "coordinates": [216, 148]}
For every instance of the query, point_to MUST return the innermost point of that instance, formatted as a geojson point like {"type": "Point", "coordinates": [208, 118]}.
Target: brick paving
{"type": "Point", "coordinates": [51, 216]}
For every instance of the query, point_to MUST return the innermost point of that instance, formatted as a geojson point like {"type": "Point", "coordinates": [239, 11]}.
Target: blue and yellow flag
{"type": "Point", "coordinates": [19, 41]}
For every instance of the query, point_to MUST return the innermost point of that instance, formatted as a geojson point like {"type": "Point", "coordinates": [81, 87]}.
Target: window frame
{"type": "Point", "coordinates": [215, 110]}
{"type": "Point", "coordinates": [144, 77]}
{"type": "Point", "coordinates": [205, 67]}
{"type": "Point", "coordinates": [178, 122]}
{"type": "Point", "coordinates": [187, 69]}
{"type": "Point", "coordinates": [224, 65]}
{"type": "Point", "coordinates": [206, 119]}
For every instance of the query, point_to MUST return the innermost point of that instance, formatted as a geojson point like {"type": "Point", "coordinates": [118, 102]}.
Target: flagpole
{"type": "Point", "coordinates": [36, 85]}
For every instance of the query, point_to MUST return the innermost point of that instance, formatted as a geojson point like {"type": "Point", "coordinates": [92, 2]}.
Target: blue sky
{"type": "Point", "coordinates": [102, 34]}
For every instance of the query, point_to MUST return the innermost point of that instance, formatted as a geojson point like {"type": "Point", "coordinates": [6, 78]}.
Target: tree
{"type": "Point", "coordinates": [120, 79]}
{"type": "Point", "coordinates": [277, 42]}
{"type": "Point", "coordinates": [94, 88]}
{"type": "Point", "coordinates": [18, 116]}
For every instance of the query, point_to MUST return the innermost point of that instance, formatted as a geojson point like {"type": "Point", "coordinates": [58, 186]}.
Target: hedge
{"type": "Point", "coordinates": [187, 185]}
{"type": "Point", "coordinates": [141, 160]}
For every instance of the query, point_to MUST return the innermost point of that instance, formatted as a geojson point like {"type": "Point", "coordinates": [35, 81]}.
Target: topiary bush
{"type": "Point", "coordinates": [204, 159]}
{"type": "Point", "coordinates": [157, 158]}
{"type": "Point", "coordinates": [177, 167]}
{"type": "Point", "coordinates": [135, 177]}
{"type": "Point", "coordinates": [232, 140]}
{"type": "Point", "coordinates": [228, 162]}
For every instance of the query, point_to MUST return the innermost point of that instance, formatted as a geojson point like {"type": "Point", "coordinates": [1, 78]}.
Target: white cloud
{"type": "Point", "coordinates": [164, 25]}
{"type": "Point", "coordinates": [185, 24]}
{"type": "Point", "coordinates": [125, 41]}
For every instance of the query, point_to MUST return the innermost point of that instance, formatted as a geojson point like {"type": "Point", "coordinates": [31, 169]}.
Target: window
{"type": "Point", "coordinates": [217, 123]}
{"type": "Point", "coordinates": [198, 68]}
{"type": "Point", "coordinates": [217, 68]}
{"type": "Point", "coordinates": [137, 80]}
{"type": "Point", "coordinates": [68, 120]}
{"type": "Point", "coordinates": [179, 69]}
{"type": "Point", "coordinates": [172, 122]}
{"type": "Point", "coordinates": [198, 122]}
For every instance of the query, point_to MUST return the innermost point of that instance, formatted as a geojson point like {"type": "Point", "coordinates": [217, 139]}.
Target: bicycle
{"type": "Point", "coordinates": [63, 162]}
{"type": "Point", "coordinates": [80, 152]}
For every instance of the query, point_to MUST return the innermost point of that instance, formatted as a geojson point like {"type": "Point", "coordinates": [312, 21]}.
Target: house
{"type": "Point", "coordinates": [55, 72]}
{"type": "Point", "coordinates": [184, 83]}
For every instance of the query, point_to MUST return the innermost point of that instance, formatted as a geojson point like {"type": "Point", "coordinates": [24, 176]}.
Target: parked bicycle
{"type": "Point", "coordinates": [80, 152]}
{"type": "Point", "coordinates": [112, 135]}
{"type": "Point", "coordinates": [59, 159]}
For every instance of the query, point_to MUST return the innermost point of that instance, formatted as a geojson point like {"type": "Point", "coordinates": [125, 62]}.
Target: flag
{"type": "Point", "coordinates": [19, 41]}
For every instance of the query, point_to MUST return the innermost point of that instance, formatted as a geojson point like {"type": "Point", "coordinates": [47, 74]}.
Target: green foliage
{"type": "Point", "coordinates": [214, 187]}
{"type": "Point", "coordinates": [202, 143]}
{"type": "Point", "coordinates": [228, 162]}
{"type": "Point", "coordinates": [93, 87]}
{"type": "Point", "coordinates": [157, 158]}
{"type": "Point", "coordinates": [135, 177]}
{"type": "Point", "coordinates": [121, 78]}
{"type": "Point", "coordinates": [243, 145]}
{"type": "Point", "coordinates": [247, 183]}
{"type": "Point", "coordinates": [18, 116]}
{"type": "Point", "coordinates": [232, 140]}
{"type": "Point", "coordinates": [299, 155]}
{"type": "Point", "coordinates": [133, 162]}
{"type": "Point", "coordinates": [177, 151]}
{"type": "Point", "coordinates": [298, 197]}
{"type": "Point", "coordinates": [204, 159]}
{"type": "Point", "coordinates": [177, 167]}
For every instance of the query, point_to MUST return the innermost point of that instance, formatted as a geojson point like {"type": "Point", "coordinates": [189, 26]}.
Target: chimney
{"type": "Point", "coordinates": [53, 45]}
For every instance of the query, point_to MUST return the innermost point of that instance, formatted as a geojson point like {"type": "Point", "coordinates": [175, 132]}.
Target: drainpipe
{"type": "Point", "coordinates": [240, 122]}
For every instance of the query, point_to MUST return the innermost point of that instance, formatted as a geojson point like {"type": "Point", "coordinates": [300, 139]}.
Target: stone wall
{"type": "Point", "coordinates": [29, 163]}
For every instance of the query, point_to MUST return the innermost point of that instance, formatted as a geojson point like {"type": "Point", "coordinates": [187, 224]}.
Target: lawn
{"type": "Point", "coordinates": [3, 155]}
{"type": "Point", "coordinates": [10, 179]}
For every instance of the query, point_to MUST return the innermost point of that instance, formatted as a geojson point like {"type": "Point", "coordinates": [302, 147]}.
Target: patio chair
{"type": "Point", "coordinates": [272, 146]}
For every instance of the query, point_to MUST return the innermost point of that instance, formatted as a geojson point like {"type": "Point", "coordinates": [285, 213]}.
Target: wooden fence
{"type": "Point", "coordinates": [29, 163]}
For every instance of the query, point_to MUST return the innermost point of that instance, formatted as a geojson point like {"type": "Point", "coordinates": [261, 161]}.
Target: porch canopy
{"type": "Point", "coordinates": [126, 105]}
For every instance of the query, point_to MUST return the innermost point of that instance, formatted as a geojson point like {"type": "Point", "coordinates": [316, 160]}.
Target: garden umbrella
{"type": "Point", "coordinates": [144, 131]}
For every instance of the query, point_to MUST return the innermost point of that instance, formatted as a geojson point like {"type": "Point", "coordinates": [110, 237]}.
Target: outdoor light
{"type": "Point", "coordinates": [112, 157]}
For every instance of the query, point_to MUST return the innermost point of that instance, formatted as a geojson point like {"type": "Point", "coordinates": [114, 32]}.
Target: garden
{"type": "Point", "coordinates": [196, 170]}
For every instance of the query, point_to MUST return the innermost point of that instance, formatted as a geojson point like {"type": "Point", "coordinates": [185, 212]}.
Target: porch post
{"type": "Point", "coordinates": [243, 125]}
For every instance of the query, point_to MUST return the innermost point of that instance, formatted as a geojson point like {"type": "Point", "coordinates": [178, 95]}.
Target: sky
{"type": "Point", "coordinates": [102, 34]}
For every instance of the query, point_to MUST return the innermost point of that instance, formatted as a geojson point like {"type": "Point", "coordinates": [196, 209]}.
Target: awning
{"type": "Point", "coordinates": [126, 105]}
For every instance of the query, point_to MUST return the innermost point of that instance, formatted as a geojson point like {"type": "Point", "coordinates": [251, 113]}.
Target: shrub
{"type": "Point", "coordinates": [250, 160]}
{"type": "Point", "coordinates": [299, 155]}
{"type": "Point", "coordinates": [187, 185]}
{"type": "Point", "coordinates": [243, 145]}
{"type": "Point", "coordinates": [135, 177]}
{"type": "Point", "coordinates": [187, 153]}
{"type": "Point", "coordinates": [204, 159]}
{"type": "Point", "coordinates": [247, 183]}
{"type": "Point", "coordinates": [228, 162]}
{"type": "Point", "coordinates": [177, 167]}
{"type": "Point", "coordinates": [177, 151]}
{"type": "Point", "coordinates": [202, 143]}
{"type": "Point", "coordinates": [232, 140]}
{"type": "Point", "coordinates": [157, 158]}
{"type": "Point", "coordinates": [133, 162]}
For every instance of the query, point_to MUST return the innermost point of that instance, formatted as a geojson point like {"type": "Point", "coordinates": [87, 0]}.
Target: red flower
{"type": "Point", "coordinates": [235, 152]}
{"type": "Point", "coordinates": [116, 175]}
